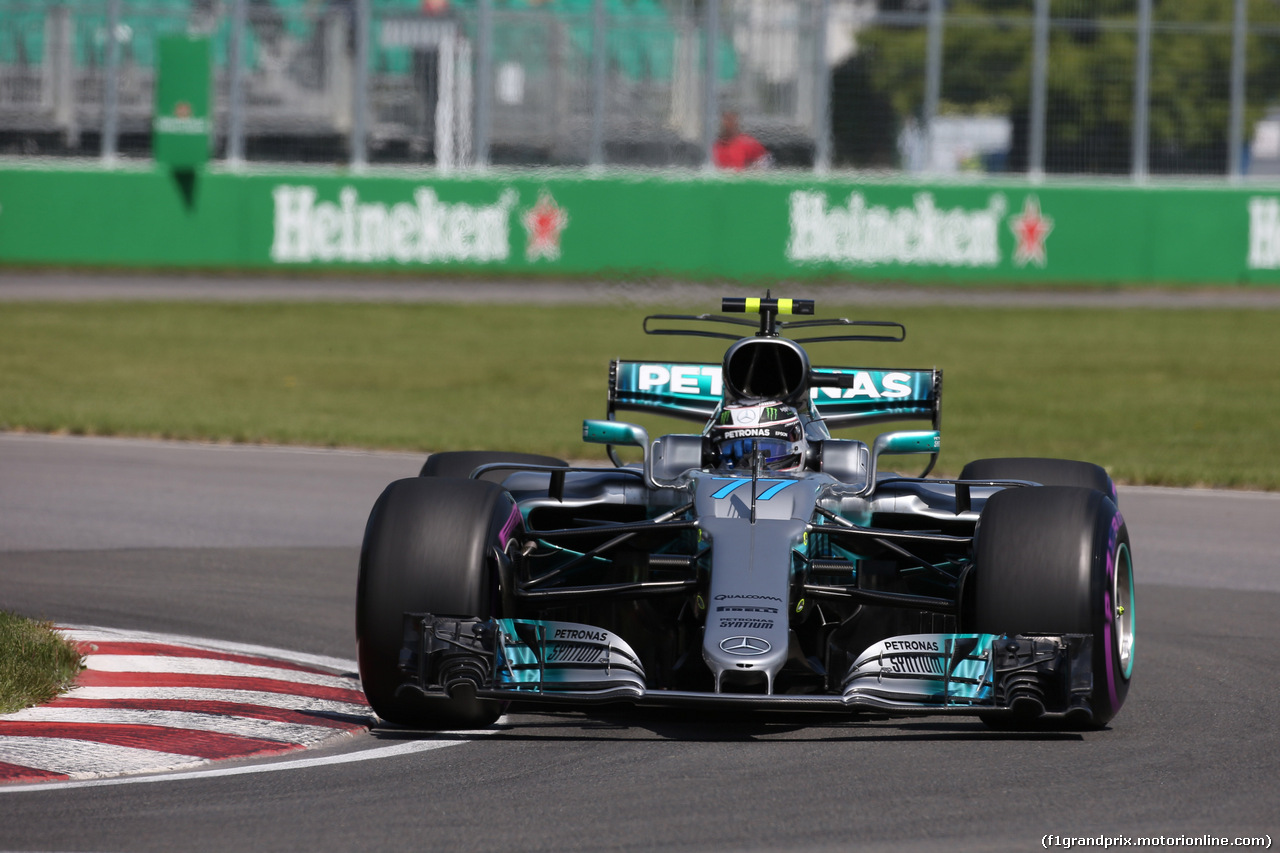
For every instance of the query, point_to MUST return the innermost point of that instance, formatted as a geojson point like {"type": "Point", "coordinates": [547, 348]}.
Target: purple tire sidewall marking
{"type": "Point", "coordinates": [1108, 607]}
{"type": "Point", "coordinates": [504, 535]}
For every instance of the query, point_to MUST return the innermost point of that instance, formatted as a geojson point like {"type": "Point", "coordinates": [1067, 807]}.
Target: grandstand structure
{"type": "Point", "coordinates": [535, 81]}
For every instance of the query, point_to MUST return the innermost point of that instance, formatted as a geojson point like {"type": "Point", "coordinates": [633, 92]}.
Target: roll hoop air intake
{"type": "Point", "coordinates": [766, 367]}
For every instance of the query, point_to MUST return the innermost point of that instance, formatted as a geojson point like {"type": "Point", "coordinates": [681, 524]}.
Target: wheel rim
{"type": "Point", "coordinates": [1122, 598]}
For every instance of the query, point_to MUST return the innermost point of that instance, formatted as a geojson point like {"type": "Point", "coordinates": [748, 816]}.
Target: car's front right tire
{"type": "Point", "coordinates": [460, 463]}
{"type": "Point", "coordinates": [428, 548]}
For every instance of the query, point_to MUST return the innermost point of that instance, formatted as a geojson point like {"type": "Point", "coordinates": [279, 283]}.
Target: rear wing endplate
{"type": "Point", "coordinates": [692, 391]}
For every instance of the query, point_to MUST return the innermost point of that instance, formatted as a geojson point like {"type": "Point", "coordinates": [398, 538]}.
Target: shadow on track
{"type": "Point", "coordinates": [659, 724]}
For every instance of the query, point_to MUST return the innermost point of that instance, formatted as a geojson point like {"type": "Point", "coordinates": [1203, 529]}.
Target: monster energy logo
{"type": "Point", "coordinates": [767, 414]}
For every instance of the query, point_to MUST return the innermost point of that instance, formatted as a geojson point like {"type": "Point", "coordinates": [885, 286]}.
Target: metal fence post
{"type": "Point", "coordinates": [60, 69]}
{"type": "Point", "coordinates": [1141, 98]}
{"type": "Point", "coordinates": [484, 82]}
{"type": "Point", "coordinates": [932, 77]}
{"type": "Point", "coordinates": [711, 29]}
{"type": "Point", "coordinates": [235, 106]}
{"type": "Point", "coordinates": [360, 89]}
{"type": "Point", "coordinates": [446, 119]}
{"type": "Point", "coordinates": [111, 85]}
{"type": "Point", "coordinates": [1039, 91]}
{"type": "Point", "coordinates": [821, 92]}
{"type": "Point", "coordinates": [599, 48]}
{"type": "Point", "coordinates": [1235, 133]}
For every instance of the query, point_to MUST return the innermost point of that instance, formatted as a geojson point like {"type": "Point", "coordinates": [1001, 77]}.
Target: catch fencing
{"type": "Point", "coordinates": [1089, 87]}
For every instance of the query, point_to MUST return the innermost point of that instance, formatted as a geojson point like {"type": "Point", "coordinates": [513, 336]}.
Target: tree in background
{"type": "Point", "coordinates": [1092, 51]}
{"type": "Point", "coordinates": [864, 122]}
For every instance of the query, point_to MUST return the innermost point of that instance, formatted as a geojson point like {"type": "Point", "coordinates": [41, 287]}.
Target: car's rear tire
{"type": "Point", "coordinates": [460, 463]}
{"type": "Point", "coordinates": [427, 549]}
{"type": "Point", "coordinates": [1046, 472]}
{"type": "Point", "coordinates": [1056, 560]}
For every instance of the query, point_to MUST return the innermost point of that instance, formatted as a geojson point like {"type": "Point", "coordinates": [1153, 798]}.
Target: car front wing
{"type": "Point", "coordinates": [542, 661]}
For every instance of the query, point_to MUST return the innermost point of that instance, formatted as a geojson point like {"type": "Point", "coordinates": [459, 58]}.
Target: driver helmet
{"type": "Point", "coordinates": [773, 429]}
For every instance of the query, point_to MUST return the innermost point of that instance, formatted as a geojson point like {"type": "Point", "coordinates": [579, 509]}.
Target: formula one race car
{"type": "Point", "coordinates": [758, 563]}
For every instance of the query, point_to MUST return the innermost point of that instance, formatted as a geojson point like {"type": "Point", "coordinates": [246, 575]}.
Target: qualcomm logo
{"type": "Point", "coordinates": [745, 645]}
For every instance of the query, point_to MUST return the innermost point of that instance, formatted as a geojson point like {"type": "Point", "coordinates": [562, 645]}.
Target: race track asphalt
{"type": "Point", "coordinates": [259, 545]}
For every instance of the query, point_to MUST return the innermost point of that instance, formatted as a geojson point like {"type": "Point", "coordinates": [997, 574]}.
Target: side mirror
{"type": "Point", "coordinates": [895, 443]}
{"type": "Point", "coordinates": [623, 435]}
{"type": "Point", "coordinates": [615, 432]}
{"type": "Point", "coordinates": [914, 441]}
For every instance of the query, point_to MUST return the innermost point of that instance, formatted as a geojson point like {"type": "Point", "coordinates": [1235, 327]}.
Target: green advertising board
{"type": "Point", "coordinates": [563, 223]}
{"type": "Point", "coordinates": [182, 127]}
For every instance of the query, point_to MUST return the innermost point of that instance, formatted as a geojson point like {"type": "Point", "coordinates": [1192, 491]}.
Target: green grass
{"type": "Point", "coordinates": [36, 664]}
{"type": "Point", "coordinates": [1185, 397]}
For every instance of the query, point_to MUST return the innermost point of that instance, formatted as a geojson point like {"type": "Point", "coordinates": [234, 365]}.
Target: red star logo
{"type": "Point", "coordinates": [542, 224]}
{"type": "Point", "coordinates": [1031, 228]}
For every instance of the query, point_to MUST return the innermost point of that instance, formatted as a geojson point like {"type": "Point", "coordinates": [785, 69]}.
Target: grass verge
{"type": "Point", "coordinates": [36, 663]}
{"type": "Point", "coordinates": [1160, 396]}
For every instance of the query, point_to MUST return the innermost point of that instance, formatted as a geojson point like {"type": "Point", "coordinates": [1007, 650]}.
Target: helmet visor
{"type": "Point", "coordinates": [779, 455]}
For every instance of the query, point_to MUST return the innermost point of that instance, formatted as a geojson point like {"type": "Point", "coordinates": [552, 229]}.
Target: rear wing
{"type": "Point", "coordinates": [692, 391]}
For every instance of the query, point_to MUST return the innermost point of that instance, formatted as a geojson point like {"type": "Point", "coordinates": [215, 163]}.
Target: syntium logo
{"type": "Point", "coordinates": [424, 230]}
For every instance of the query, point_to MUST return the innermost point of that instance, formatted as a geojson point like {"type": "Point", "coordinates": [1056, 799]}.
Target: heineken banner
{"type": "Point", "coordinates": [182, 128]}
{"type": "Point", "coordinates": [756, 228]}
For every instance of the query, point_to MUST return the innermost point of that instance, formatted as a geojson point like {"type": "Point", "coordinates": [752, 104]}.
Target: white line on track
{"type": "Point", "coordinates": [285, 701]}
{"type": "Point", "coordinates": [226, 724]}
{"type": "Point", "coordinates": [209, 666]}
{"type": "Point", "coordinates": [297, 764]}
{"type": "Point", "coordinates": [84, 758]}
{"type": "Point", "coordinates": [93, 634]}
{"type": "Point", "coordinates": [1200, 493]}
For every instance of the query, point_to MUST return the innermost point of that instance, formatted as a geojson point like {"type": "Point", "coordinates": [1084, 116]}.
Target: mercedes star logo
{"type": "Point", "coordinates": [745, 646]}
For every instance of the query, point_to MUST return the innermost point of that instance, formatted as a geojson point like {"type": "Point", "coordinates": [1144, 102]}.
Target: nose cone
{"type": "Point", "coordinates": [746, 639]}
{"type": "Point", "coordinates": [747, 634]}
{"type": "Point", "coordinates": [746, 650]}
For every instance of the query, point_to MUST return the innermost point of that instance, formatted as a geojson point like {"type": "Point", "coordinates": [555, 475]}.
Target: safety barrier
{"type": "Point", "coordinates": [769, 226]}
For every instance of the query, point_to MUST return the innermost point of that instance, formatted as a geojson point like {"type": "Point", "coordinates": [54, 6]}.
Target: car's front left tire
{"type": "Point", "coordinates": [1057, 560]}
{"type": "Point", "coordinates": [1046, 472]}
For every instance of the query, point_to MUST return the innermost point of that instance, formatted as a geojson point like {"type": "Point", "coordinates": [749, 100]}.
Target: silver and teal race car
{"type": "Point", "coordinates": [757, 562]}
